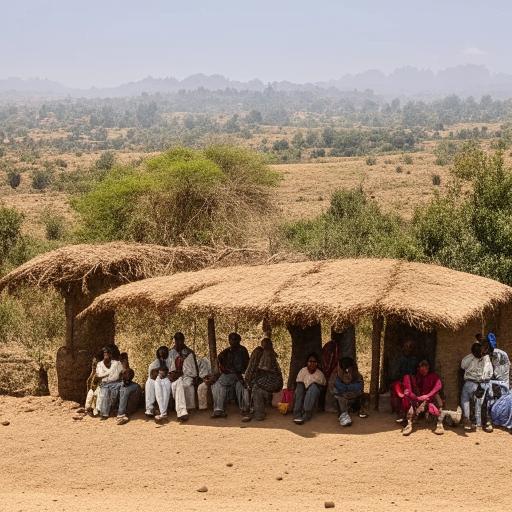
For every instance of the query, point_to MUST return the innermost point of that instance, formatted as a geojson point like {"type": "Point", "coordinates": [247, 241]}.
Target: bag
{"type": "Point", "coordinates": [286, 403]}
{"type": "Point", "coordinates": [479, 391]}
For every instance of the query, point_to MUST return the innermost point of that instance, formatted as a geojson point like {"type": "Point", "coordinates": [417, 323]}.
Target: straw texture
{"type": "Point", "coordinates": [115, 263]}
{"type": "Point", "coordinates": [340, 291]}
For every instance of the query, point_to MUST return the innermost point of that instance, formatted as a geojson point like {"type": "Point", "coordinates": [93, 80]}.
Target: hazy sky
{"type": "Point", "coordinates": [105, 42]}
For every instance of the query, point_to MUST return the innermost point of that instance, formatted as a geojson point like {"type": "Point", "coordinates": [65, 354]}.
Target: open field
{"type": "Point", "coordinates": [49, 462]}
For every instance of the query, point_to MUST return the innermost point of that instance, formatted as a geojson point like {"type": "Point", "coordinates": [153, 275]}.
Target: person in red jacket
{"type": "Point", "coordinates": [421, 395]}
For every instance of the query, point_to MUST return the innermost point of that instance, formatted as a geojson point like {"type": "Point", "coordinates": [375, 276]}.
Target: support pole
{"type": "Point", "coordinates": [378, 323]}
{"type": "Point", "coordinates": [212, 345]}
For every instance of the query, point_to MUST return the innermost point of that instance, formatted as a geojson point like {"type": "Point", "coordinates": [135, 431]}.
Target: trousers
{"type": "Point", "coordinates": [220, 390]}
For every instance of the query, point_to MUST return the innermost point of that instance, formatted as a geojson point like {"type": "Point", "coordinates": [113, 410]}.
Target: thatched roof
{"type": "Point", "coordinates": [339, 291]}
{"type": "Point", "coordinates": [116, 263]}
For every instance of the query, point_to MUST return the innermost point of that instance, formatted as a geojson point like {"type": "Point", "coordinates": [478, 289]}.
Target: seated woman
{"type": "Point", "coordinates": [109, 372]}
{"type": "Point", "coordinates": [348, 389]}
{"type": "Point", "coordinates": [264, 377]}
{"type": "Point", "coordinates": [501, 410]}
{"type": "Point", "coordinates": [421, 396]}
{"type": "Point", "coordinates": [309, 383]}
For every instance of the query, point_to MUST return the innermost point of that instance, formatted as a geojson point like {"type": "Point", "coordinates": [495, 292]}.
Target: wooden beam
{"type": "Point", "coordinates": [378, 323]}
{"type": "Point", "coordinates": [212, 345]}
{"type": "Point", "coordinates": [267, 328]}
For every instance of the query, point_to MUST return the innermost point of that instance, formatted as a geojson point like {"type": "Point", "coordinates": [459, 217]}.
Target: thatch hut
{"type": "Point", "coordinates": [81, 273]}
{"type": "Point", "coordinates": [440, 308]}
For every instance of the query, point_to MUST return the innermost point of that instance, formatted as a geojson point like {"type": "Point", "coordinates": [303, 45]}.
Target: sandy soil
{"type": "Point", "coordinates": [50, 462]}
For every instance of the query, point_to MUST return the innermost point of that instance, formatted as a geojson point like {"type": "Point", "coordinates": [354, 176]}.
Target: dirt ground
{"type": "Point", "coordinates": [50, 462]}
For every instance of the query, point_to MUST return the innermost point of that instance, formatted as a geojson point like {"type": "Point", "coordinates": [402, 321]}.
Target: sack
{"type": "Point", "coordinates": [283, 408]}
{"type": "Point", "coordinates": [287, 396]}
{"type": "Point", "coordinates": [286, 403]}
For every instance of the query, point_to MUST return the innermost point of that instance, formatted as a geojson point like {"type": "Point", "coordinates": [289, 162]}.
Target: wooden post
{"type": "Point", "coordinates": [346, 341]}
{"type": "Point", "coordinates": [267, 328]}
{"type": "Point", "coordinates": [212, 345]}
{"type": "Point", "coordinates": [305, 340]}
{"type": "Point", "coordinates": [378, 323]}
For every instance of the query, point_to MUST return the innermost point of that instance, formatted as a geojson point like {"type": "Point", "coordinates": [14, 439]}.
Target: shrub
{"type": "Point", "coordinates": [14, 179]}
{"type": "Point", "coordinates": [54, 225]}
{"type": "Point", "coordinates": [106, 161]}
{"type": "Point", "coordinates": [407, 159]}
{"type": "Point", "coordinates": [399, 168]}
{"type": "Point", "coordinates": [371, 160]}
{"type": "Point", "coordinates": [10, 230]}
{"type": "Point", "coordinates": [41, 179]}
{"type": "Point", "coordinates": [436, 179]}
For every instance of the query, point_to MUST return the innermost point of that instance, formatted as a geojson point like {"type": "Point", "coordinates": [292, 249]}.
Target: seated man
{"type": "Point", "coordinates": [348, 389]}
{"type": "Point", "coordinates": [162, 392]}
{"type": "Point", "coordinates": [264, 377]}
{"type": "Point", "coordinates": [309, 383]}
{"type": "Point", "coordinates": [233, 362]}
{"type": "Point", "coordinates": [183, 374]}
{"type": "Point", "coordinates": [402, 365]}
{"type": "Point", "coordinates": [108, 371]}
{"type": "Point", "coordinates": [477, 375]}
{"type": "Point", "coordinates": [161, 361]}
{"type": "Point", "coordinates": [129, 392]}
{"type": "Point", "coordinates": [331, 353]}
{"type": "Point", "coordinates": [421, 396]}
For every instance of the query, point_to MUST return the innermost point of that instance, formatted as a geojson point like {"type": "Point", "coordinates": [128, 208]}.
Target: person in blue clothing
{"type": "Point", "coordinates": [348, 389]}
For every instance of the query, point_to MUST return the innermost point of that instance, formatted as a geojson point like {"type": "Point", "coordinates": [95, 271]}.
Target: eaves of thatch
{"type": "Point", "coordinates": [339, 291]}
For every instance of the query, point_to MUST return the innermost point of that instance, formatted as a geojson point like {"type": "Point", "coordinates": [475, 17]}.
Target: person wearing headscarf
{"type": "Point", "coordinates": [108, 371]}
{"type": "Point", "coordinates": [264, 377]}
{"type": "Point", "coordinates": [308, 387]}
{"type": "Point", "coordinates": [233, 363]}
{"type": "Point", "coordinates": [161, 361]}
{"type": "Point", "coordinates": [421, 396]}
{"type": "Point", "coordinates": [348, 389]}
{"type": "Point", "coordinates": [478, 372]}
{"type": "Point", "coordinates": [500, 361]}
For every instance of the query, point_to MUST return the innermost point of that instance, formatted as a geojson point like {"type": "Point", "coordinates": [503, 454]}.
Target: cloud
{"type": "Point", "coordinates": [473, 51]}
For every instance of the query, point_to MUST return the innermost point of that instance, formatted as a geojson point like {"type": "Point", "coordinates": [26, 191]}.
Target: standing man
{"type": "Point", "coordinates": [232, 362]}
{"type": "Point", "coordinates": [183, 374]}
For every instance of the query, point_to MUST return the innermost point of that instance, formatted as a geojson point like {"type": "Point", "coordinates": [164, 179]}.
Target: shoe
{"type": "Point", "coordinates": [149, 413]}
{"type": "Point", "coordinates": [407, 430]}
{"type": "Point", "coordinates": [299, 421]}
{"type": "Point", "coordinates": [345, 419]}
{"type": "Point", "coordinates": [122, 420]}
{"type": "Point", "coordinates": [246, 418]}
{"type": "Point", "coordinates": [183, 418]}
{"type": "Point", "coordinates": [363, 414]}
{"type": "Point", "coordinates": [488, 427]}
{"type": "Point", "coordinates": [468, 426]}
{"type": "Point", "coordinates": [439, 430]}
{"type": "Point", "coordinates": [218, 414]}
{"type": "Point", "coordinates": [160, 417]}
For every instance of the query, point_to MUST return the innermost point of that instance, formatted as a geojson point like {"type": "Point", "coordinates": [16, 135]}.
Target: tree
{"type": "Point", "coordinates": [41, 179]}
{"type": "Point", "coordinates": [106, 161]}
{"type": "Point", "coordinates": [10, 230]}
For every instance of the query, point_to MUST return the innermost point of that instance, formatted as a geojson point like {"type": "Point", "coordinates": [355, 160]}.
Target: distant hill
{"type": "Point", "coordinates": [464, 80]}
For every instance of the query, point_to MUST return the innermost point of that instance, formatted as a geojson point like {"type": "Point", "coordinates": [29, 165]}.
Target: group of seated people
{"type": "Point", "coordinates": [485, 400]}
{"type": "Point", "coordinates": [332, 382]}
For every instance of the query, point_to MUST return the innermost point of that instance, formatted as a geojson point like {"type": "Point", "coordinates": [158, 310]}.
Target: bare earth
{"type": "Point", "coordinates": [50, 462]}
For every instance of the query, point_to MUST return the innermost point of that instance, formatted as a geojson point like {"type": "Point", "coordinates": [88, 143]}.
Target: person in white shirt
{"type": "Point", "coordinates": [205, 373]}
{"type": "Point", "coordinates": [183, 372]}
{"type": "Point", "coordinates": [162, 392]}
{"type": "Point", "coordinates": [109, 372]}
{"type": "Point", "coordinates": [309, 383]}
{"type": "Point", "coordinates": [478, 371]}
{"type": "Point", "coordinates": [161, 361]}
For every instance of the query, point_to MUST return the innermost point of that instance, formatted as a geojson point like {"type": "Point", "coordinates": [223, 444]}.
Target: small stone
{"type": "Point", "coordinates": [29, 409]}
{"type": "Point", "coordinates": [203, 489]}
{"type": "Point", "coordinates": [78, 417]}
{"type": "Point", "coordinates": [477, 443]}
{"type": "Point", "coordinates": [229, 464]}
{"type": "Point", "coordinates": [81, 410]}
{"type": "Point", "coordinates": [279, 477]}
{"type": "Point", "coordinates": [329, 504]}
{"type": "Point", "coordinates": [6, 423]}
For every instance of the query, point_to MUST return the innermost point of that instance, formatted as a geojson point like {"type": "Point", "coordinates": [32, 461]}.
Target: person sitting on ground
{"type": "Point", "coordinates": [183, 374]}
{"type": "Point", "coordinates": [404, 364]}
{"type": "Point", "coordinates": [129, 392]}
{"type": "Point", "coordinates": [477, 375]}
{"type": "Point", "coordinates": [161, 361]}
{"type": "Point", "coordinates": [109, 372]}
{"type": "Point", "coordinates": [421, 396]}
{"type": "Point", "coordinates": [162, 392]}
{"type": "Point", "coordinates": [348, 389]}
{"type": "Point", "coordinates": [264, 377]}
{"type": "Point", "coordinates": [232, 362]}
{"type": "Point", "coordinates": [309, 383]}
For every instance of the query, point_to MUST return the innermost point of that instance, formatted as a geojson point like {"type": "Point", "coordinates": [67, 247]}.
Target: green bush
{"type": "Point", "coordinates": [10, 231]}
{"type": "Point", "coordinates": [14, 179]}
{"type": "Point", "coordinates": [106, 161]}
{"type": "Point", "coordinates": [41, 179]}
{"type": "Point", "coordinates": [180, 196]}
{"type": "Point", "coordinates": [55, 225]}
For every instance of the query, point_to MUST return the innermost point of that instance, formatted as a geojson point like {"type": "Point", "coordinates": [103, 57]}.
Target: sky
{"type": "Point", "coordinates": [108, 42]}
